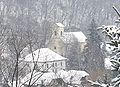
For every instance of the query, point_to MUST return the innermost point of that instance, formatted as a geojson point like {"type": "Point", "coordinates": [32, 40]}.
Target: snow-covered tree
{"type": "Point", "coordinates": [113, 40]}
{"type": "Point", "coordinates": [93, 54]}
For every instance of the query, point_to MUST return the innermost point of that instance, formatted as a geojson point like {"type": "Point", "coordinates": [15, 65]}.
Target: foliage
{"type": "Point", "coordinates": [93, 54]}
{"type": "Point", "coordinates": [113, 34]}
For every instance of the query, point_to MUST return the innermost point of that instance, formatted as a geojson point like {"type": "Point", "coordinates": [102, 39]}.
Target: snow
{"type": "Point", "coordinates": [73, 76]}
{"type": "Point", "coordinates": [49, 76]}
{"type": "Point", "coordinates": [26, 79]}
{"type": "Point", "coordinates": [98, 84]}
{"type": "Point", "coordinates": [80, 36]}
{"type": "Point", "coordinates": [14, 84]}
{"type": "Point", "coordinates": [60, 25]}
{"type": "Point", "coordinates": [116, 80]}
{"type": "Point", "coordinates": [62, 74]}
{"type": "Point", "coordinates": [69, 37]}
{"type": "Point", "coordinates": [109, 48]}
{"type": "Point", "coordinates": [111, 28]}
{"type": "Point", "coordinates": [38, 77]}
{"type": "Point", "coordinates": [118, 31]}
{"type": "Point", "coordinates": [44, 55]}
{"type": "Point", "coordinates": [108, 64]}
{"type": "Point", "coordinates": [1, 6]}
{"type": "Point", "coordinates": [70, 86]}
{"type": "Point", "coordinates": [116, 10]}
{"type": "Point", "coordinates": [77, 75]}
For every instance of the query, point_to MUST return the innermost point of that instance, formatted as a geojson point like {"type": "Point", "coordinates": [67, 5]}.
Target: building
{"type": "Point", "coordinates": [61, 39]}
{"type": "Point", "coordinates": [39, 79]}
{"type": "Point", "coordinates": [46, 60]}
{"type": "Point", "coordinates": [74, 78]}
{"type": "Point", "coordinates": [57, 83]}
{"type": "Point", "coordinates": [62, 78]}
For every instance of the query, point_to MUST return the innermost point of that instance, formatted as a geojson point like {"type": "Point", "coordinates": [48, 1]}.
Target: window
{"type": "Point", "coordinates": [61, 63]}
{"type": "Point", "coordinates": [61, 33]}
{"type": "Point", "coordinates": [53, 65]}
{"type": "Point", "coordinates": [47, 65]}
{"type": "Point", "coordinates": [53, 70]}
{"type": "Point", "coordinates": [55, 33]}
{"type": "Point", "coordinates": [56, 64]}
{"type": "Point", "coordinates": [54, 47]}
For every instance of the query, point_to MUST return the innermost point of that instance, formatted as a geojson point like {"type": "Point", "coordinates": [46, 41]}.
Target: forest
{"type": "Point", "coordinates": [27, 25]}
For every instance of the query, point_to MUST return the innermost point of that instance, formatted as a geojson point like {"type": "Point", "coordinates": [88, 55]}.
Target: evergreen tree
{"type": "Point", "coordinates": [93, 54]}
{"type": "Point", "coordinates": [113, 34]}
{"type": "Point", "coordinates": [72, 55]}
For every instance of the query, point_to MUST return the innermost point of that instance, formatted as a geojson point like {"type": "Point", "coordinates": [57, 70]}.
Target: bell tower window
{"type": "Point", "coordinates": [61, 33]}
{"type": "Point", "coordinates": [55, 33]}
{"type": "Point", "coordinates": [54, 47]}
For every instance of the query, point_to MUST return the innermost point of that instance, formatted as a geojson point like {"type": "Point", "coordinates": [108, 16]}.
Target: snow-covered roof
{"type": "Point", "coordinates": [38, 77]}
{"type": "Point", "coordinates": [60, 24]}
{"type": "Point", "coordinates": [108, 64]}
{"type": "Point", "coordinates": [43, 55]}
{"type": "Point", "coordinates": [69, 37]}
{"type": "Point", "coordinates": [80, 36]}
{"type": "Point", "coordinates": [73, 75]}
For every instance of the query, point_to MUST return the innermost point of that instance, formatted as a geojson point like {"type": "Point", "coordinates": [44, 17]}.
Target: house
{"type": "Point", "coordinates": [57, 83]}
{"type": "Point", "coordinates": [61, 39]}
{"type": "Point", "coordinates": [46, 60]}
{"type": "Point", "coordinates": [39, 79]}
{"type": "Point", "coordinates": [62, 78]}
{"type": "Point", "coordinates": [75, 78]}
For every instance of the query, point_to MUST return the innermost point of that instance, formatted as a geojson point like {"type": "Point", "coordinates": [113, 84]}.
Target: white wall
{"type": "Point", "coordinates": [50, 66]}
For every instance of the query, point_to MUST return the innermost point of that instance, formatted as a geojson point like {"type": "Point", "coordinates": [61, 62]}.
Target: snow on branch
{"type": "Point", "coordinates": [116, 10]}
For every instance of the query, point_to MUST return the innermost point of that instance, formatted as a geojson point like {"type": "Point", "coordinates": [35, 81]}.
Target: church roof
{"type": "Point", "coordinates": [60, 24]}
{"type": "Point", "coordinates": [43, 55]}
{"type": "Point", "coordinates": [69, 37]}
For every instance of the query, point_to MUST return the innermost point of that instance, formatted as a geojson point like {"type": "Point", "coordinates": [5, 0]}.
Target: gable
{"type": "Point", "coordinates": [44, 55]}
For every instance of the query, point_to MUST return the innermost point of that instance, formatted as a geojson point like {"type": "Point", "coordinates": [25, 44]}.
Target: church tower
{"type": "Point", "coordinates": [56, 44]}
{"type": "Point", "coordinates": [58, 30]}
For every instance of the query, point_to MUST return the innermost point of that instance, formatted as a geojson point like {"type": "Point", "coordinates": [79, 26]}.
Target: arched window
{"type": "Point", "coordinates": [47, 65]}
{"type": "Point", "coordinates": [53, 65]}
{"type": "Point", "coordinates": [54, 47]}
{"type": "Point", "coordinates": [55, 33]}
{"type": "Point", "coordinates": [61, 63]}
{"type": "Point", "coordinates": [56, 64]}
{"type": "Point", "coordinates": [61, 33]}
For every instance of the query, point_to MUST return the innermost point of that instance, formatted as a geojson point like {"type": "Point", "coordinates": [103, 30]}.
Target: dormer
{"type": "Point", "coordinates": [58, 29]}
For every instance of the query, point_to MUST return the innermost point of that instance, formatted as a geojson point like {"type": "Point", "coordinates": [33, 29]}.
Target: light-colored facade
{"type": "Point", "coordinates": [55, 43]}
{"type": "Point", "coordinates": [61, 39]}
{"type": "Point", "coordinates": [47, 60]}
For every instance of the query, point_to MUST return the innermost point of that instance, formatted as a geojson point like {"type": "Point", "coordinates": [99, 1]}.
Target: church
{"type": "Point", "coordinates": [60, 39]}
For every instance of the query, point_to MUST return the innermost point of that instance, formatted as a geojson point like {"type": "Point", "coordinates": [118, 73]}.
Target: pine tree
{"type": "Point", "coordinates": [93, 54]}
{"type": "Point", "coordinates": [113, 34]}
